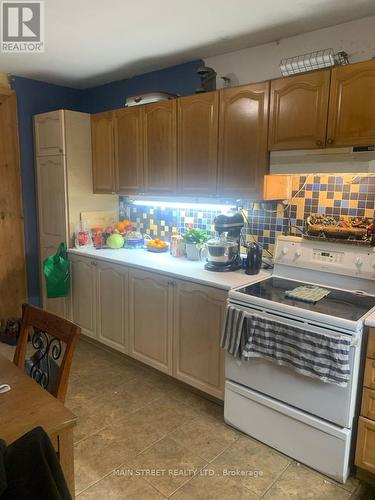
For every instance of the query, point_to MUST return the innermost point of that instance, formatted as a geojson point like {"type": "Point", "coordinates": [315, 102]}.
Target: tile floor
{"type": "Point", "coordinates": [141, 435]}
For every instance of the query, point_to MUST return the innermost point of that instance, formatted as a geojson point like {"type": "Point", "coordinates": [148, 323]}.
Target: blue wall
{"type": "Point", "coordinates": [35, 97]}
{"type": "Point", "coordinates": [181, 79]}
{"type": "Point", "coordinates": [38, 97]}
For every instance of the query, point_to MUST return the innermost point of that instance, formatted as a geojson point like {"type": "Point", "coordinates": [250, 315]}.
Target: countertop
{"type": "Point", "coordinates": [178, 267]}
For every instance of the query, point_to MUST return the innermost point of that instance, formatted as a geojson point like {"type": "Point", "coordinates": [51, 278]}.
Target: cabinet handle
{"type": "Point", "coordinates": [319, 142]}
{"type": "Point", "coordinates": [330, 141]}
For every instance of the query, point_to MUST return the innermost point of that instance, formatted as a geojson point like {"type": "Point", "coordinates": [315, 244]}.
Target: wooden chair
{"type": "Point", "coordinates": [54, 340]}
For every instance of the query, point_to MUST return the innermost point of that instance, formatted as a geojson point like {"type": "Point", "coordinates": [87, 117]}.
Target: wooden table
{"type": "Point", "coordinates": [28, 405]}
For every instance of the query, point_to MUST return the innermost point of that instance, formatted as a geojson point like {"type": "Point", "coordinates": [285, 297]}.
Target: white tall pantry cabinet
{"type": "Point", "coordinates": [64, 186]}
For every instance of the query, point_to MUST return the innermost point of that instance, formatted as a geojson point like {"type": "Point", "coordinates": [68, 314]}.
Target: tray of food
{"type": "Point", "coordinates": [157, 246]}
{"type": "Point", "coordinates": [351, 229]}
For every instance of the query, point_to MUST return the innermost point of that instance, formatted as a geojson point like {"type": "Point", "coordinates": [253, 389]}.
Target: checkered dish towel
{"type": "Point", "coordinates": [312, 354]}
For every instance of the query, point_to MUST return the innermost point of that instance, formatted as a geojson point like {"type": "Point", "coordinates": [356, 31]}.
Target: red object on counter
{"type": "Point", "coordinates": [83, 238]}
{"type": "Point", "coordinates": [97, 237]}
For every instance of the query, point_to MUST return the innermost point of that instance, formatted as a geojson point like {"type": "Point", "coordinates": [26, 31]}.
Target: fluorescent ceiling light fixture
{"type": "Point", "coordinates": [183, 204]}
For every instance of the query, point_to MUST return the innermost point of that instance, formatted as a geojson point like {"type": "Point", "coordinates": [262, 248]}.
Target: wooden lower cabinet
{"type": "Point", "coordinates": [150, 319]}
{"type": "Point", "coordinates": [365, 455]}
{"type": "Point", "coordinates": [198, 317]}
{"type": "Point", "coordinates": [371, 344]}
{"type": "Point", "coordinates": [112, 305]}
{"type": "Point", "coordinates": [84, 281]}
{"type": "Point", "coordinates": [368, 403]}
{"type": "Point", "coordinates": [369, 378]}
{"type": "Point", "coordinates": [365, 449]}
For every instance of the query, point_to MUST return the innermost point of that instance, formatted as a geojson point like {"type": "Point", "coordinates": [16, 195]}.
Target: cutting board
{"type": "Point", "coordinates": [103, 218]}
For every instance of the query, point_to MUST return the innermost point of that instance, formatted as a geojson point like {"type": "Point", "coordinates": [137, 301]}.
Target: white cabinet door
{"type": "Point", "coordinates": [51, 180]}
{"type": "Point", "coordinates": [52, 222]}
{"type": "Point", "coordinates": [84, 294]}
{"type": "Point", "coordinates": [150, 319]}
{"type": "Point", "coordinates": [112, 305]}
{"type": "Point", "coordinates": [49, 133]}
{"type": "Point", "coordinates": [198, 319]}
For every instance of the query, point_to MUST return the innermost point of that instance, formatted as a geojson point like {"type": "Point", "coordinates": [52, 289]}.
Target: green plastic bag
{"type": "Point", "coordinates": [57, 273]}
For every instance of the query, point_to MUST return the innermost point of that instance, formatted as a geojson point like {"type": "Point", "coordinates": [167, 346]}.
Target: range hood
{"type": "Point", "coordinates": [357, 159]}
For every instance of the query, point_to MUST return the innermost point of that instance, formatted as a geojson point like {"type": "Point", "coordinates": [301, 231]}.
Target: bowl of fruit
{"type": "Point", "coordinates": [157, 246]}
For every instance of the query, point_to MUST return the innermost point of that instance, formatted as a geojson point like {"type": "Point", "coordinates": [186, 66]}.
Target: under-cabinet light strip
{"type": "Point", "coordinates": [183, 204]}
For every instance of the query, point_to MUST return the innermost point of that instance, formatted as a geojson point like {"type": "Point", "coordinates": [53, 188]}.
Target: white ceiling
{"type": "Point", "coordinates": [89, 42]}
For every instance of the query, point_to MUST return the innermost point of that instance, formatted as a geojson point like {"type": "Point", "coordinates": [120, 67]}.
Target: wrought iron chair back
{"type": "Point", "coordinates": [54, 340]}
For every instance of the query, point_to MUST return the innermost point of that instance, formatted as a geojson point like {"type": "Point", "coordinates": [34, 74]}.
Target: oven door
{"type": "Point", "coordinates": [327, 401]}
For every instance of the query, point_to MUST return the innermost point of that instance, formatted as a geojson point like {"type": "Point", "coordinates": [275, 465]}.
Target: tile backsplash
{"type": "Point", "coordinates": [341, 195]}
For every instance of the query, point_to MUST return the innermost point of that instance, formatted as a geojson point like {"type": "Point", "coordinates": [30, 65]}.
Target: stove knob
{"type": "Point", "coordinates": [298, 253]}
{"type": "Point", "coordinates": [285, 250]}
{"type": "Point", "coordinates": [358, 261]}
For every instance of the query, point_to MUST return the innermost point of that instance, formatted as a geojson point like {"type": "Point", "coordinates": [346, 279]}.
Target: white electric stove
{"type": "Point", "coordinates": [307, 419]}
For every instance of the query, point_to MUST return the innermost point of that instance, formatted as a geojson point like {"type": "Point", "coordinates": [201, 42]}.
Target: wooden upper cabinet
{"type": "Point", "coordinates": [49, 133]}
{"type": "Point", "coordinates": [197, 143]}
{"type": "Point", "coordinates": [160, 147]}
{"type": "Point", "coordinates": [129, 149]}
{"type": "Point", "coordinates": [351, 119]}
{"type": "Point", "coordinates": [298, 111]}
{"type": "Point", "coordinates": [102, 153]}
{"type": "Point", "coordinates": [243, 155]}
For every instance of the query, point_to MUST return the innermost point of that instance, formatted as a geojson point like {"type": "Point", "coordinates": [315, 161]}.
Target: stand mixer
{"type": "Point", "coordinates": [223, 252]}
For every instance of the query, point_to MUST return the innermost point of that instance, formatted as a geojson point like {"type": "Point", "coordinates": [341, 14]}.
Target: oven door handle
{"type": "Point", "coordinates": [282, 320]}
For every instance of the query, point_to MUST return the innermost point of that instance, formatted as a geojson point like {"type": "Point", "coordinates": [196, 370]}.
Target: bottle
{"type": "Point", "coordinates": [177, 245]}
{"type": "Point", "coordinates": [254, 259]}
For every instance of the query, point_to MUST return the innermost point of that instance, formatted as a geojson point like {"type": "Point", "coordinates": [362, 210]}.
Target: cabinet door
{"type": "Point", "coordinates": [243, 152]}
{"type": "Point", "coordinates": [129, 150]}
{"type": "Point", "coordinates": [112, 305]}
{"type": "Point", "coordinates": [298, 111]}
{"type": "Point", "coordinates": [198, 318]}
{"type": "Point", "coordinates": [371, 344]}
{"type": "Point", "coordinates": [369, 377]}
{"type": "Point", "coordinates": [103, 153]}
{"type": "Point", "coordinates": [368, 403]}
{"type": "Point", "coordinates": [150, 318]}
{"type": "Point", "coordinates": [51, 186]}
{"type": "Point", "coordinates": [351, 117]}
{"type": "Point", "coordinates": [49, 133]}
{"type": "Point", "coordinates": [197, 144]}
{"type": "Point", "coordinates": [83, 283]}
{"type": "Point", "coordinates": [365, 452]}
{"type": "Point", "coordinates": [160, 136]}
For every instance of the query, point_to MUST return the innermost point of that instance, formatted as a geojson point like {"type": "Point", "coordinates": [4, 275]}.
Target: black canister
{"type": "Point", "coordinates": [254, 259]}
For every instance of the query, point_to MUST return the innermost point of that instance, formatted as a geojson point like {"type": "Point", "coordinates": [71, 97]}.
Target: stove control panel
{"type": "Point", "coordinates": [339, 258]}
{"type": "Point", "coordinates": [326, 255]}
